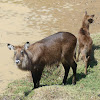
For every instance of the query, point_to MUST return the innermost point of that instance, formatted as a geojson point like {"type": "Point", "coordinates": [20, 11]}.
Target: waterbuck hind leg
{"type": "Point", "coordinates": [77, 59]}
{"type": "Point", "coordinates": [85, 59]}
{"type": "Point", "coordinates": [67, 68]}
{"type": "Point", "coordinates": [86, 64]}
{"type": "Point", "coordinates": [74, 68]}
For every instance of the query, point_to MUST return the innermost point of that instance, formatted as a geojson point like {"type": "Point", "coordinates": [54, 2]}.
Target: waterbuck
{"type": "Point", "coordinates": [84, 40]}
{"type": "Point", "coordinates": [57, 48]}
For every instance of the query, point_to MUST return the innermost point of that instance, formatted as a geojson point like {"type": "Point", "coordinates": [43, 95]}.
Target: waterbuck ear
{"type": "Point", "coordinates": [85, 12]}
{"type": "Point", "coordinates": [26, 46]}
{"type": "Point", "coordinates": [11, 47]}
{"type": "Point", "coordinates": [92, 16]}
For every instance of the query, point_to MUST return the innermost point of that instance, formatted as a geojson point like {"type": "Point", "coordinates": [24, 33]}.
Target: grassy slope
{"type": "Point", "coordinates": [87, 87]}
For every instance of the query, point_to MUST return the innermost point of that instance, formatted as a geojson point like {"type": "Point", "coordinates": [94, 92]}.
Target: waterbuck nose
{"type": "Point", "coordinates": [90, 20]}
{"type": "Point", "coordinates": [17, 61]}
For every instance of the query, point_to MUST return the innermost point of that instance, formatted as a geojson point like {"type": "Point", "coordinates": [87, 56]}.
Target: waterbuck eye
{"type": "Point", "coordinates": [22, 52]}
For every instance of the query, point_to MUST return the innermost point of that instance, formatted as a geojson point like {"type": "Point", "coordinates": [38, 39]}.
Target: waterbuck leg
{"type": "Point", "coordinates": [67, 68]}
{"type": "Point", "coordinates": [34, 79]}
{"type": "Point", "coordinates": [36, 75]}
{"type": "Point", "coordinates": [86, 64]}
{"type": "Point", "coordinates": [78, 55]}
{"type": "Point", "coordinates": [39, 77]}
{"type": "Point", "coordinates": [85, 59]}
{"type": "Point", "coordinates": [74, 68]}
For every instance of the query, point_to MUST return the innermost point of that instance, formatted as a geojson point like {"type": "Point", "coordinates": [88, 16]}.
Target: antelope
{"type": "Point", "coordinates": [57, 48]}
{"type": "Point", "coordinates": [84, 40]}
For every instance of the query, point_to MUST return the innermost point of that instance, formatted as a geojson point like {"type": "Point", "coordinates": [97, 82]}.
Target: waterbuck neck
{"type": "Point", "coordinates": [85, 26]}
{"type": "Point", "coordinates": [26, 62]}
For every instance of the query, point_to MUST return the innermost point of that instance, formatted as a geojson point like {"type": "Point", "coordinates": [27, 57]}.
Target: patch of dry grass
{"type": "Point", "coordinates": [52, 93]}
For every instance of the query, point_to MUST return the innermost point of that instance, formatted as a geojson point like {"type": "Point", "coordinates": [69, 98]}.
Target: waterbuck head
{"type": "Point", "coordinates": [88, 19]}
{"type": "Point", "coordinates": [20, 56]}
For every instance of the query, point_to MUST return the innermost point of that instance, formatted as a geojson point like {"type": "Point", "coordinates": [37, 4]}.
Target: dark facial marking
{"type": "Point", "coordinates": [90, 20]}
{"type": "Point", "coordinates": [22, 52]}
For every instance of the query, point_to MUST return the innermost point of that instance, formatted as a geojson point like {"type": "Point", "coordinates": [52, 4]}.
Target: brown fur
{"type": "Point", "coordinates": [57, 48]}
{"type": "Point", "coordinates": [84, 40]}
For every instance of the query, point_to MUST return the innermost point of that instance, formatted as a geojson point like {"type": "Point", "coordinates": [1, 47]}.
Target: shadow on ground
{"type": "Point", "coordinates": [79, 76]}
{"type": "Point", "coordinates": [93, 62]}
{"type": "Point", "coordinates": [27, 93]}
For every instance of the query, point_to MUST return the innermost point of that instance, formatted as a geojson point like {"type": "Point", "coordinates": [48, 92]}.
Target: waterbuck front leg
{"type": "Point", "coordinates": [35, 81]}
{"type": "Point", "coordinates": [36, 75]}
{"type": "Point", "coordinates": [86, 60]}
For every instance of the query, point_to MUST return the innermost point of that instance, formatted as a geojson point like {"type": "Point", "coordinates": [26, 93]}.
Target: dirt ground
{"type": "Point", "coordinates": [32, 20]}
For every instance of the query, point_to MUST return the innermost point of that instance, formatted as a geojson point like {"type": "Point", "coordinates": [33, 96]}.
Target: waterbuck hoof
{"type": "Point", "coordinates": [63, 84]}
{"type": "Point", "coordinates": [74, 83]}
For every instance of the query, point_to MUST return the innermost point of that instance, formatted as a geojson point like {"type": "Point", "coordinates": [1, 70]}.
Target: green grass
{"type": "Point", "coordinates": [87, 87]}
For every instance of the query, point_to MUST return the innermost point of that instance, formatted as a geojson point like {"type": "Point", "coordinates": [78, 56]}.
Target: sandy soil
{"type": "Point", "coordinates": [32, 20]}
{"type": "Point", "coordinates": [14, 30]}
